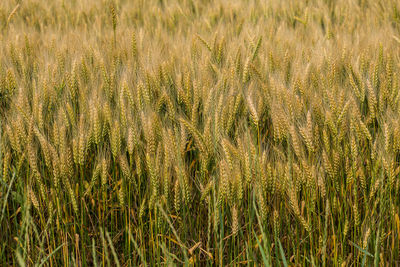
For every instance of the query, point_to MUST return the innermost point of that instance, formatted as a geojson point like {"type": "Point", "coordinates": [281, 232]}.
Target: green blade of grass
{"type": "Point", "coordinates": [285, 264]}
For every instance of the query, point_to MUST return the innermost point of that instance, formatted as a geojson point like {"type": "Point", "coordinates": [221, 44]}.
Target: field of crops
{"type": "Point", "coordinates": [200, 133]}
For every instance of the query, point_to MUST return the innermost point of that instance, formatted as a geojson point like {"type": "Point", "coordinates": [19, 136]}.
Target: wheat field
{"type": "Point", "coordinates": [200, 133]}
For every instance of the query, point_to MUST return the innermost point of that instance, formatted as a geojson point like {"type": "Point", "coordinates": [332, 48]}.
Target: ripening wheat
{"type": "Point", "coordinates": [202, 133]}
